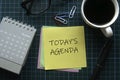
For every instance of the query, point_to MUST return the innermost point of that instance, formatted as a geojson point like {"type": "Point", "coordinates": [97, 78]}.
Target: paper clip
{"type": "Point", "coordinates": [63, 15]}
{"type": "Point", "coordinates": [72, 12]}
{"type": "Point", "coordinates": [60, 19]}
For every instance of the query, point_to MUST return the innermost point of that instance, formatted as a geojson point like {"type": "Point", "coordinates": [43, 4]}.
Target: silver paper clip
{"type": "Point", "coordinates": [72, 12]}
{"type": "Point", "coordinates": [60, 19]}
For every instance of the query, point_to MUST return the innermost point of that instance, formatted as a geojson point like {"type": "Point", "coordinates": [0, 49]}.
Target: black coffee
{"type": "Point", "coordinates": [99, 11]}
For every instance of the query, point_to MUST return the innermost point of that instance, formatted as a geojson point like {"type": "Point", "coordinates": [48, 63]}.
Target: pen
{"type": "Point", "coordinates": [101, 59]}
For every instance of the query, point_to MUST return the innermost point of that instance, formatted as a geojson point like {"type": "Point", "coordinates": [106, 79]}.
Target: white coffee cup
{"type": "Point", "coordinates": [103, 25]}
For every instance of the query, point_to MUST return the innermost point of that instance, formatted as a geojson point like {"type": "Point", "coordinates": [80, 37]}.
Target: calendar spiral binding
{"type": "Point", "coordinates": [19, 24]}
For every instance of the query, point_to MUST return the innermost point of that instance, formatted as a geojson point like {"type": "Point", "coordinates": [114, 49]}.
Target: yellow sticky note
{"type": "Point", "coordinates": [41, 64]}
{"type": "Point", "coordinates": [64, 47]}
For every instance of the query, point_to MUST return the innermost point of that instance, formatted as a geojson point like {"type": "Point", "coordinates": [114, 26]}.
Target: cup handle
{"type": "Point", "coordinates": [107, 31]}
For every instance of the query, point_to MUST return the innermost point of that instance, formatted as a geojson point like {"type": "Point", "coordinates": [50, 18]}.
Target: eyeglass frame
{"type": "Point", "coordinates": [28, 10]}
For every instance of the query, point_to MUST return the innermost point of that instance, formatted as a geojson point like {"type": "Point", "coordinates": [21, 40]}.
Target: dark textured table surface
{"type": "Point", "coordinates": [94, 42]}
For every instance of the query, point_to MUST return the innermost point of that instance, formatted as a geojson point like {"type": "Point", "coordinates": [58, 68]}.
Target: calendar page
{"type": "Point", "coordinates": [15, 40]}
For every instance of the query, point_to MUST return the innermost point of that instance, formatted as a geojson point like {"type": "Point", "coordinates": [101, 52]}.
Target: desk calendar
{"type": "Point", "coordinates": [15, 41]}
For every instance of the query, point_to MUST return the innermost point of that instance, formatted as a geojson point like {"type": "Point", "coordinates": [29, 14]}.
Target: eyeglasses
{"type": "Point", "coordinates": [34, 7]}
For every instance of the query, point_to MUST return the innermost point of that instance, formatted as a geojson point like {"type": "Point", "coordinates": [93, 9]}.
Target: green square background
{"type": "Point", "coordinates": [94, 43]}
